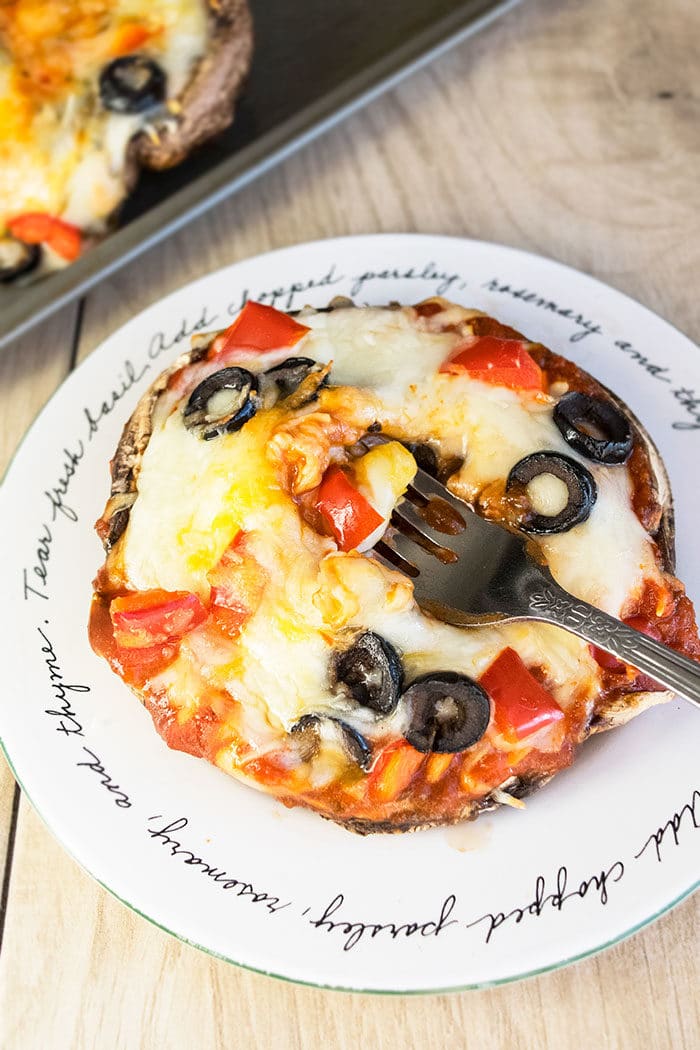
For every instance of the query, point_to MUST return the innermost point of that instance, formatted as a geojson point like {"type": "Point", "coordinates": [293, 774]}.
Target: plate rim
{"type": "Point", "coordinates": [340, 241]}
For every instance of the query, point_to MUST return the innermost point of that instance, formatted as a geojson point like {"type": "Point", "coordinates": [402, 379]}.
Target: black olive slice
{"type": "Point", "coordinates": [574, 411]}
{"type": "Point", "coordinates": [448, 712]}
{"type": "Point", "coordinates": [371, 671]}
{"type": "Point", "coordinates": [289, 374]}
{"type": "Point", "coordinates": [222, 402]}
{"type": "Point", "coordinates": [298, 379]}
{"type": "Point", "coordinates": [424, 455]}
{"type": "Point", "coordinates": [309, 727]}
{"type": "Point", "coordinates": [17, 258]}
{"type": "Point", "coordinates": [581, 487]}
{"type": "Point", "coordinates": [132, 84]}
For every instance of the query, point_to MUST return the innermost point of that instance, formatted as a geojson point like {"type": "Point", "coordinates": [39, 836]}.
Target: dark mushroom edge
{"type": "Point", "coordinates": [582, 491]}
{"type": "Point", "coordinates": [371, 672]}
{"type": "Point", "coordinates": [448, 712]}
{"type": "Point", "coordinates": [574, 412]}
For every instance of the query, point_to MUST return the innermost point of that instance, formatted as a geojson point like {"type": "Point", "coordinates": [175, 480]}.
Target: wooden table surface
{"type": "Point", "coordinates": [566, 128]}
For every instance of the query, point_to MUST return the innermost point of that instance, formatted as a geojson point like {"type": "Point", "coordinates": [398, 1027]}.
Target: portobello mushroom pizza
{"type": "Point", "coordinates": [241, 601]}
{"type": "Point", "coordinates": [93, 90]}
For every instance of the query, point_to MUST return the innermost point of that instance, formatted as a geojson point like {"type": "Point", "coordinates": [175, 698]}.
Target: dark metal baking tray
{"type": "Point", "coordinates": [315, 62]}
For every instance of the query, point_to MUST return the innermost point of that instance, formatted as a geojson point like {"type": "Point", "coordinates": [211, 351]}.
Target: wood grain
{"type": "Point", "coordinates": [568, 129]}
{"type": "Point", "coordinates": [28, 377]}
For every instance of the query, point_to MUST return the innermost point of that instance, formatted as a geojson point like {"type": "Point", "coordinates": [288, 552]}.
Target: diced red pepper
{"type": "Point", "coordinates": [346, 512]}
{"type": "Point", "coordinates": [42, 228]}
{"type": "Point", "coordinates": [146, 619]}
{"type": "Point", "coordinates": [135, 666]}
{"type": "Point", "coordinates": [237, 586]}
{"type": "Point", "coordinates": [129, 36]}
{"type": "Point", "coordinates": [393, 772]}
{"type": "Point", "coordinates": [521, 704]}
{"type": "Point", "coordinates": [272, 769]}
{"type": "Point", "coordinates": [501, 362]}
{"type": "Point", "coordinates": [259, 328]}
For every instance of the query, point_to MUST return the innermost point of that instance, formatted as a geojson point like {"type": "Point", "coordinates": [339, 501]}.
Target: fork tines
{"type": "Point", "coordinates": [422, 526]}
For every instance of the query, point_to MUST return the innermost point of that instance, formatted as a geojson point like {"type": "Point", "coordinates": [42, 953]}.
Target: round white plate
{"type": "Point", "coordinates": [603, 849]}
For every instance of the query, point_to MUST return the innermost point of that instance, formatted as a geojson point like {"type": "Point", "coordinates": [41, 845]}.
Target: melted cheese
{"type": "Point", "coordinates": [195, 495]}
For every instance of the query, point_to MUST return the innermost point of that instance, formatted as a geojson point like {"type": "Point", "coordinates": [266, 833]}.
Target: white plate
{"type": "Point", "coordinates": [603, 849]}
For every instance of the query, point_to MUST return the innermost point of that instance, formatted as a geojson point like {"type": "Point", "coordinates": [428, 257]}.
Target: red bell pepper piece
{"type": "Point", "coordinates": [346, 512]}
{"type": "Point", "coordinates": [237, 586]}
{"type": "Point", "coordinates": [521, 704]}
{"type": "Point", "coordinates": [393, 771]}
{"type": "Point", "coordinates": [501, 362]}
{"type": "Point", "coordinates": [260, 328]}
{"type": "Point", "coordinates": [145, 619]}
{"type": "Point", "coordinates": [128, 37]}
{"type": "Point", "coordinates": [42, 228]}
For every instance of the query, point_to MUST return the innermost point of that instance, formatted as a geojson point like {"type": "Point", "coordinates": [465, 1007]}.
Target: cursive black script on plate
{"type": "Point", "coordinates": [584, 325]}
{"type": "Point", "coordinates": [688, 816]}
{"type": "Point", "coordinates": [354, 930]}
{"type": "Point", "coordinates": [161, 342]}
{"type": "Point", "coordinates": [223, 879]}
{"type": "Point", "coordinates": [125, 381]}
{"type": "Point", "coordinates": [445, 280]}
{"type": "Point", "coordinates": [35, 578]}
{"type": "Point", "coordinates": [286, 296]}
{"type": "Point", "coordinates": [68, 722]}
{"type": "Point", "coordinates": [555, 899]}
{"type": "Point", "coordinates": [94, 763]}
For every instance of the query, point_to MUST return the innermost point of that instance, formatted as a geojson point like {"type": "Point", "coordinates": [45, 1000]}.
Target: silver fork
{"type": "Point", "coordinates": [469, 571]}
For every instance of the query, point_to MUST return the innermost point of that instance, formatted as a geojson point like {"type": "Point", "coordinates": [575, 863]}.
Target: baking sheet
{"type": "Point", "coordinates": [315, 62]}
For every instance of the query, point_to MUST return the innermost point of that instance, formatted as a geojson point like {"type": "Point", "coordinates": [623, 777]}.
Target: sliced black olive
{"type": "Point", "coordinates": [595, 428]}
{"type": "Point", "coordinates": [448, 712]}
{"type": "Point", "coordinates": [371, 671]}
{"type": "Point", "coordinates": [289, 374]}
{"type": "Point", "coordinates": [579, 482]}
{"type": "Point", "coordinates": [17, 258]}
{"type": "Point", "coordinates": [424, 455]}
{"type": "Point", "coordinates": [309, 727]}
{"type": "Point", "coordinates": [132, 84]}
{"type": "Point", "coordinates": [222, 402]}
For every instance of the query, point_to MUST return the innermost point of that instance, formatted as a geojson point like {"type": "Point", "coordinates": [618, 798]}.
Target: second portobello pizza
{"type": "Point", "coordinates": [240, 599]}
{"type": "Point", "coordinates": [91, 91]}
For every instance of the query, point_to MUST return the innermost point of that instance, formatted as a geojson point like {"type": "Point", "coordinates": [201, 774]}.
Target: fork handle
{"type": "Point", "coordinates": [551, 604]}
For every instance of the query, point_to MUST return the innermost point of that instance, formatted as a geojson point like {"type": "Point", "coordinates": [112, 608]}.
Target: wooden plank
{"type": "Point", "coordinates": [552, 131]}
{"type": "Point", "coordinates": [30, 370]}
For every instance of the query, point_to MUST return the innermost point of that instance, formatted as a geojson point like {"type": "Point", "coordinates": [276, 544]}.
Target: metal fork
{"type": "Point", "coordinates": [469, 571]}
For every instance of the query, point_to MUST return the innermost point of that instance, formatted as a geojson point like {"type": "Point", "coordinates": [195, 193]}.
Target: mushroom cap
{"type": "Point", "coordinates": [608, 713]}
